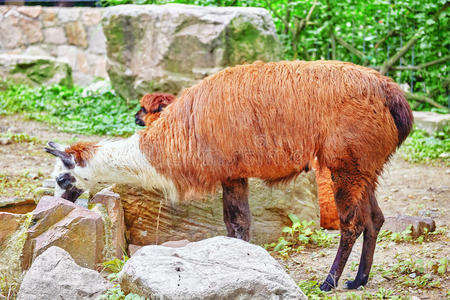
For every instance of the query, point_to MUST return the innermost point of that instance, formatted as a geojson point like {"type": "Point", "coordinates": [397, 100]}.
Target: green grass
{"type": "Point", "coordinates": [422, 147]}
{"type": "Point", "coordinates": [300, 235]}
{"type": "Point", "coordinates": [71, 110]}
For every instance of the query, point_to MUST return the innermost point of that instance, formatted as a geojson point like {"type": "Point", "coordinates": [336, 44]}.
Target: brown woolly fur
{"type": "Point", "coordinates": [269, 120]}
{"type": "Point", "coordinates": [328, 213]}
{"type": "Point", "coordinates": [153, 104]}
{"type": "Point", "coordinates": [82, 152]}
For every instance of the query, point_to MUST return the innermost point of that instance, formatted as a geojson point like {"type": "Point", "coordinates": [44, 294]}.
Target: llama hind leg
{"type": "Point", "coordinates": [347, 189]}
{"type": "Point", "coordinates": [374, 221]}
{"type": "Point", "coordinates": [236, 211]}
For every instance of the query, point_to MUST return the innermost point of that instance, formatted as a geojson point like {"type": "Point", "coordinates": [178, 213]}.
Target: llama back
{"type": "Point", "coordinates": [267, 120]}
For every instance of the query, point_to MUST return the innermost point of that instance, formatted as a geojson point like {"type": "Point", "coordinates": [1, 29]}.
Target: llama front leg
{"type": "Point", "coordinates": [236, 212]}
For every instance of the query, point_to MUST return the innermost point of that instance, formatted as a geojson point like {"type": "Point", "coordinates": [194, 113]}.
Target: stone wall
{"type": "Point", "coordinates": [72, 34]}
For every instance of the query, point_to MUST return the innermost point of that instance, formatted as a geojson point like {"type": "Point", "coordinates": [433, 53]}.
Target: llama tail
{"type": "Point", "coordinates": [400, 111]}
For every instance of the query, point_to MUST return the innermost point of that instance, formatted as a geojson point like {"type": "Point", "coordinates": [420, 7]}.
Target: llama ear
{"type": "Point", "coordinates": [56, 146]}
{"type": "Point", "coordinates": [65, 157]}
{"type": "Point", "coordinates": [159, 109]}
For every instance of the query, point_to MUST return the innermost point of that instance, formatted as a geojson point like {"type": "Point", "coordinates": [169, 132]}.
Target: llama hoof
{"type": "Point", "coordinates": [354, 284]}
{"type": "Point", "coordinates": [351, 285]}
{"type": "Point", "coordinates": [326, 287]}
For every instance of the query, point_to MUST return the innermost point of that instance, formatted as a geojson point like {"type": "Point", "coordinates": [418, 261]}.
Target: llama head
{"type": "Point", "coordinates": [70, 172]}
{"type": "Point", "coordinates": [151, 106]}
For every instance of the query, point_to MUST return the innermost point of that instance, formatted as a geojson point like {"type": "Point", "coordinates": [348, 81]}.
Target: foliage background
{"type": "Point", "coordinates": [376, 29]}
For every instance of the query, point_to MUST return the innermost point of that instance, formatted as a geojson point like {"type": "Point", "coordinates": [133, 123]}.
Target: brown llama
{"type": "Point", "coordinates": [151, 107]}
{"type": "Point", "coordinates": [265, 120]}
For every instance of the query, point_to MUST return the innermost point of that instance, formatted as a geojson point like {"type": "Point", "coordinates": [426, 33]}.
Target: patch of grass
{"type": "Point", "coordinates": [405, 236]}
{"type": "Point", "coordinates": [422, 147]}
{"type": "Point", "coordinates": [299, 235]}
{"type": "Point", "coordinates": [22, 186]}
{"type": "Point", "coordinates": [311, 289]}
{"type": "Point", "coordinates": [20, 138]}
{"type": "Point", "coordinates": [416, 273]}
{"type": "Point", "coordinates": [71, 109]}
{"type": "Point", "coordinates": [115, 293]}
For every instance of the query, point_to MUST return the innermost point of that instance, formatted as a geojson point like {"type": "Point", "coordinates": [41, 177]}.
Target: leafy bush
{"type": "Point", "coordinates": [422, 147]}
{"type": "Point", "coordinates": [71, 109]}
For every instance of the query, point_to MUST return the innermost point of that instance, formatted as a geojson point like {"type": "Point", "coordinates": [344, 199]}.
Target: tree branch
{"type": "Point", "coordinates": [422, 66]}
{"type": "Point", "coordinates": [350, 48]}
{"type": "Point", "coordinates": [285, 22]}
{"type": "Point", "coordinates": [390, 33]}
{"type": "Point", "coordinates": [401, 52]}
{"type": "Point", "coordinates": [299, 26]}
{"type": "Point", "coordinates": [423, 99]}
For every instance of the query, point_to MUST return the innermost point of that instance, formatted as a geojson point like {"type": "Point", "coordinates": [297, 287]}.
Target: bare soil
{"type": "Point", "coordinates": [405, 189]}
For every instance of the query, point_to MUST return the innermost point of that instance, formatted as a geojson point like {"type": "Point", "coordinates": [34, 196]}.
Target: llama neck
{"type": "Point", "coordinates": [123, 162]}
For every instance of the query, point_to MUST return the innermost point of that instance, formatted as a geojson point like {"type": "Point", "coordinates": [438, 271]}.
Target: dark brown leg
{"type": "Point", "coordinates": [236, 212]}
{"type": "Point", "coordinates": [347, 187]}
{"type": "Point", "coordinates": [373, 225]}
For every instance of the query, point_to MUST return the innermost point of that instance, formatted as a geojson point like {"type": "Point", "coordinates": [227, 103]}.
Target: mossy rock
{"type": "Point", "coordinates": [170, 47]}
{"type": "Point", "coordinates": [35, 70]}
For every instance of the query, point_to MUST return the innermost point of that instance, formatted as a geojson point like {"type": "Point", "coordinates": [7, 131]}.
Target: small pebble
{"type": "Point", "coordinates": [412, 275]}
{"type": "Point", "coordinates": [33, 175]}
{"type": "Point", "coordinates": [5, 141]}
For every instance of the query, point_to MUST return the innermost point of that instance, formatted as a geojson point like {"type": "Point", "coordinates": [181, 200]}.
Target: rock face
{"type": "Point", "coordinates": [54, 275]}
{"type": "Point", "coordinates": [73, 34]}
{"type": "Point", "coordinates": [216, 268]}
{"type": "Point", "coordinates": [169, 47]}
{"type": "Point", "coordinates": [111, 210]}
{"type": "Point", "coordinates": [431, 121]}
{"type": "Point", "coordinates": [34, 70]}
{"type": "Point", "coordinates": [150, 219]}
{"type": "Point", "coordinates": [58, 222]}
{"type": "Point", "coordinates": [13, 234]}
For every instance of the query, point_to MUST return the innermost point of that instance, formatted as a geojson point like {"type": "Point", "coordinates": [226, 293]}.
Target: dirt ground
{"type": "Point", "coordinates": [405, 189]}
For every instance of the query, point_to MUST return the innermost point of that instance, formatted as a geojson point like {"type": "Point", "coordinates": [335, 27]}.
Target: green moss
{"type": "Point", "coordinates": [67, 80]}
{"type": "Point", "coordinates": [37, 71]}
{"type": "Point", "coordinates": [245, 43]}
{"type": "Point", "coordinates": [108, 247]}
{"type": "Point", "coordinates": [11, 257]}
{"type": "Point", "coordinates": [115, 33]}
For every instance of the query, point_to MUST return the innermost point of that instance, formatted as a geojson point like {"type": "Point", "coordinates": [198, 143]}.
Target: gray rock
{"type": "Point", "coordinates": [34, 70]}
{"type": "Point", "coordinates": [401, 223]}
{"type": "Point", "coordinates": [58, 222]}
{"type": "Point", "coordinates": [170, 47]}
{"type": "Point", "coordinates": [216, 268]}
{"type": "Point", "coordinates": [54, 275]}
{"type": "Point", "coordinates": [431, 121]}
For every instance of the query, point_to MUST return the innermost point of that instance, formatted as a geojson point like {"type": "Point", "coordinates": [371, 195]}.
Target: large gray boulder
{"type": "Point", "coordinates": [34, 70]}
{"type": "Point", "coordinates": [54, 275]}
{"type": "Point", "coordinates": [216, 268]}
{"type": "Point", "coordinates": [172, 46]}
